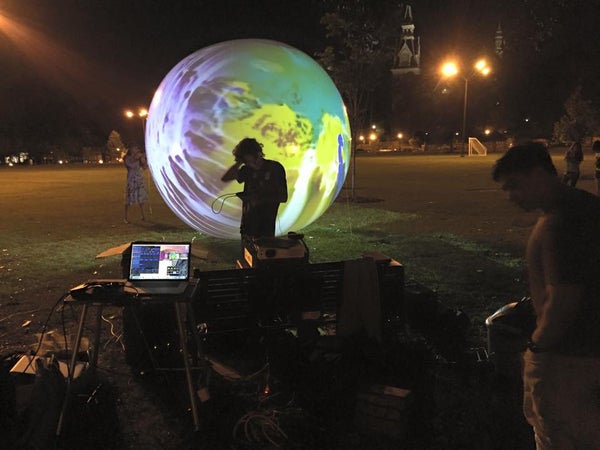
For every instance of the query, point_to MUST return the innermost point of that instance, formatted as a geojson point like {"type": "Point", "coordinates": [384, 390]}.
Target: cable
{"type": "Point", "coordinates": [64, 329]}
{"type": "Point", "coordinates": [17, 313]}
{"type": "Point", "coordinates": [148, 192]}
{"type": "Point", "coordinates": [61, 299]}
{"type": "Point", "coordinates": [258, 372]}
{"type": "Point", "coordinates": [261, 427]}
{"type": "Point", "coordinates": [117, 337]}
{"type": "Point", "coordinates": [348, 212]}
{"type": "Point", "coordinates": [223, 199]}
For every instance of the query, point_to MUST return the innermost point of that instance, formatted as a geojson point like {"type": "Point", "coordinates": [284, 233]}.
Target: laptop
{"type": "Point", "coordinates": [159, 268]}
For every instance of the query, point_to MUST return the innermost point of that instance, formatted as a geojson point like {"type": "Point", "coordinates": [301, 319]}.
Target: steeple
{"type": "Point", "coordinates": [499, 41]}
{"type": "Point", "coordinates": [408, 55]}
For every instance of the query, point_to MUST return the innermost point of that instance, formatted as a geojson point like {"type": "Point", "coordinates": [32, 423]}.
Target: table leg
{"type": "Point", "coordinates": [186, 363]}
{"type": "Point", "coordinates": [71, 368]}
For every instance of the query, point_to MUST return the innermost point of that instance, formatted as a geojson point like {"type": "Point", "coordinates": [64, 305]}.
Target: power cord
{"type": "Point", "coordinates": [118, 338]}
{"type": "Point", "coordinates": [44, 329]}
{"type": "Point", "coordinates": [223, 198]}
{"type": "Point", "coordinates": [261, 427]}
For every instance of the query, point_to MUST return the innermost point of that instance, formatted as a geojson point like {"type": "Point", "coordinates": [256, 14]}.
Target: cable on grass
{"type": "Point", "coordinates": [117, 337]}
{"type": "Point", "coordinates": [260, 427]}
{"type": "Point", "coordinates": [17, 313]}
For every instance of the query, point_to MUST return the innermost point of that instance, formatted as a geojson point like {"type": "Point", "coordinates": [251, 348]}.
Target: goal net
{"type": "Point", "coordinates": [476, 148]}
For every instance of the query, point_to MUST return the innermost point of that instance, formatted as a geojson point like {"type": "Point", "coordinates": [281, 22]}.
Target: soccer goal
{"type": "Point", "coordinates": [476, 148]}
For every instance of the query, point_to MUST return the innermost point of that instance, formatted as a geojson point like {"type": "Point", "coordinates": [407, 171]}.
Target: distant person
{"type": "Point", "coordinates": [596, 150]}
{"type": "Point", "coordinates": [136, 192]}
{"type": "Point", "coordinates": [265, 187]}
{"type": "Point", "coordinates": [561, 371]}
{"type": "Point", "coordinates": [573, 157]}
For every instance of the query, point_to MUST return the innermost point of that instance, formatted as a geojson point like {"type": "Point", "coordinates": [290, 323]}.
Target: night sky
{"type": "Point", "coordinates": [66, 61]}
{"type": "Point", "coordinates": [106, 56]}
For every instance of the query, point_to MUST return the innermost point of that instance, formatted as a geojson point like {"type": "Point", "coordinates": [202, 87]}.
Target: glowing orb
{"type": "Point", "coordinates": [246, 88]}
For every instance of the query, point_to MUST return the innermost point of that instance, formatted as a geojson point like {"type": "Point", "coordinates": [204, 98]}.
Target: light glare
{"type": "Point", "coordinates": [449, 69]}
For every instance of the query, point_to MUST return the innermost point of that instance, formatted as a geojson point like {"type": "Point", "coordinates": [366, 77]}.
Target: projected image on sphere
{"type": "Point", "coordinates": [247, 88]}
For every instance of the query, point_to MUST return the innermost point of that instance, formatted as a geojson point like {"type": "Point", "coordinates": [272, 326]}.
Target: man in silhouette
{"type": "Point", "coordinates": [561, 374]}
{"type": "Point", "coordinates": [265, 187]}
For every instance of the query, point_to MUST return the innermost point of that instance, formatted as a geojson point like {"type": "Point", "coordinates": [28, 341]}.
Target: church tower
{"type": "Point", "coordinates": [499, 41]}
{"type": "Point", "coordinates": [408, 55]}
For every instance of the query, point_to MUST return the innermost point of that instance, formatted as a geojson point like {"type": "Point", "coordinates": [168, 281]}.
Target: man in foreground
{"type": "Point", "coordinates": [265, 187]}
{"type": "Point", "coordinates": [561, 373]}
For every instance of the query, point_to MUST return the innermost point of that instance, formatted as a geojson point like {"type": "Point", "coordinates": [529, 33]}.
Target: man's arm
{"type": "Point", "coordinates": [559, 311]}
{"type": "Point", "coordinates": [563, 293]}
{"type": "Point", "coordinates": [232, 172]}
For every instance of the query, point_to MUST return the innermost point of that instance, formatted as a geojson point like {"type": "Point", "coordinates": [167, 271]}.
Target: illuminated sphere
{"type": "Point", "coordinates": [246, 88]}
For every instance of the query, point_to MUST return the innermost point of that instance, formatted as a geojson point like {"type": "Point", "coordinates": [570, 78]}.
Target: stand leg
{"type": "Point", "coordinates": [96, 351]}
{"type": "Point", "coordinates": [71, 368]}
{"type": "Point", "coordinates": [202, 362]}
{"type": "Point", "coordinates": [186, 363]}
{"type": "Point", "coordinates": [199, 351]}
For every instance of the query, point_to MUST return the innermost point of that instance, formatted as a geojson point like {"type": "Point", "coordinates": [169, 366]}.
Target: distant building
{"type": "Point", "coordinates": [410, 108]}
{"type": "Point", "coordinates": [408, 55]}
{"type": "Point", "coordinates": [18, 158]}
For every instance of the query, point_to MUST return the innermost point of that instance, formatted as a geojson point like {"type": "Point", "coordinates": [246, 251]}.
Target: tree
{"type": "Point", "coordinates": [554, 42]}
{"type": "Point", "coordinates": [115, 146]}
{"type": "Point", "coordinates": [362, 38]}
{"type": "Point", "coordinates": [89, 154]}
{"type": "Point", "coordinates": [580, 120]}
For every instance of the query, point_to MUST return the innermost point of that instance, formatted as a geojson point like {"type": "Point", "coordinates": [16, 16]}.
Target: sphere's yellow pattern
{"type": "Point", "coordinates": [246, 88]}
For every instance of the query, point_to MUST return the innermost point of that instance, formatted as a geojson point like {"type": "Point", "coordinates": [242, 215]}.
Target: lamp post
{"type": "Point", "coordinates": [450, 69]}
{"type": "Point", "coordinates": [142, 114]}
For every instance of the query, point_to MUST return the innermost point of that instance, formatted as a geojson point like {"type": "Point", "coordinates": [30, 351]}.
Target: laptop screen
{"type": "Point", "coordinates": [159, 261]}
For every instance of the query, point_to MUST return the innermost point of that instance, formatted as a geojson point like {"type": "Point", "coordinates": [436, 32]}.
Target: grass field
{"type": "Point", "coordinates": [440, 215]}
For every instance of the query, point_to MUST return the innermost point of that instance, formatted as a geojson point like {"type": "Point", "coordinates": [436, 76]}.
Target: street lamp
{"type": "Point", "coordinates": [450, 69]}
{"type": "Point", "coordinates": [142, 114]}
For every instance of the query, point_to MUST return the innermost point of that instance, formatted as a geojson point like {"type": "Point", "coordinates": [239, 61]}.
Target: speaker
{"type": "Point", "coordinates": [150, 337]}
{"type": "Point", "coordinates": [391, 293]}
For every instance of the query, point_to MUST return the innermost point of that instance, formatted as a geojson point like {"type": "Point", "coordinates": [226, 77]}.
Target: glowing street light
{"type": "Point", "coordinates": [482, 67]}
{"type": "Point", "coordinates": [142, 114]}
{"type": "Point", "coordinates": [450, 69]}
